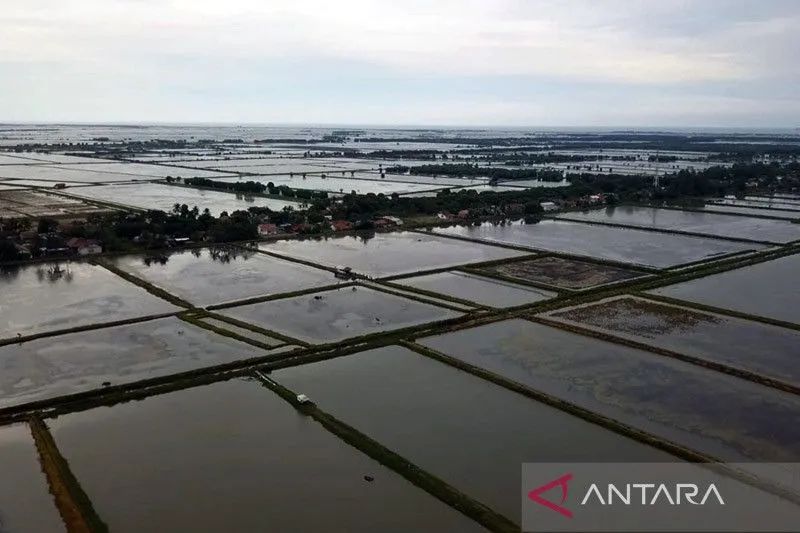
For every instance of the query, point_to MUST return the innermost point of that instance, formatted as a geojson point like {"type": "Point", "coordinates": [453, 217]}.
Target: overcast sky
{"type": "Point", "coordinates": [467, 62]}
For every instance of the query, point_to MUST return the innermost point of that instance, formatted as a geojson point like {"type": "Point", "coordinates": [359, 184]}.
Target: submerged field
{"type": "Point", "coordinates": [764, 289]}
{"type": "Point", "coordinates": [45, 297]}
{"type": "Point", "coordinates": [614, 244]}
{"type": "Point", "coordinates": [725, 417]}
{"type": "Point", "coordinates": [484, 291]}
{"type": "Point", "coordinates": [563, 273]}
{"type": "Point", "coordinates": [466, 430]}
{"type": "Point", "coordinates": [338, 314]}
{"type": "Point", "coordinates": [215, 275]}
{"type": "Point", "coordinates": [249, 454]}
{"type": "Point", "coordinates": [768, 350]}
{"type": "Point", "coordinates": [388, 254]}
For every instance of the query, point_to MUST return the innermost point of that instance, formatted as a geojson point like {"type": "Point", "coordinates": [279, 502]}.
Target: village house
{"type": "Point", "coordinates": [341, 225]}
{"type": "Point", "coordinates": [82, 247]}
{"type": "Point", "coordinates": [548, 206]}
{"type": "Point", "coordinates": [267, 229]}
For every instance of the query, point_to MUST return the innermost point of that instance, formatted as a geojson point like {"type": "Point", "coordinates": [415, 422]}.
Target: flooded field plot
{"type": "Point", "coordinates": [216, 275]}
{"type": "Point", "coordinates": [9, 186]}
{"type": "Point", "coordinates": [441, 181]}
{"type": "Point", "coordinates": [95, 173]}
{"type": "Point", "coordinates": [532, 184]}
{"type": "Point", "coordinates": [692, 221]}
{"type": "Point", "coordinates": [778, 197]}
{"type": "Point", "coordinates": [488, 188]}
{"type": "Point", "coordinates": [725, 417]}
{"type": "Point", "coordinates": [763, 203]}
{"type": "Point", "coordinates": [633, 246]}
{"type": "Point", "coordinates": [28, 203]}
{"type": "Point", "coordinates": [243, 332]}
{"type": "Point", "coordinates": [563, 273]}
{"type": "Point", "coordinates": [764, 349]}
{"type": "Point", "coordinates": [389, 254]}
{"type": "Point", "coordinates": [468, 431]}
{"type": "Point", "coordinates": [25, 500]}
{"type": "Point", "coordinates": [39, 183]}
{"type": "Point", "coordinates": [164, 197]}
{"type": "Point", "coordinates": [76, 362]}
{"type": "Point", "coordinates": [751, 211]}
{"type": "Point", "coordinates": [342, 185]}
{"type": "Point", "coordinates": [338, 314]}
{"type": "Point", "coordinates": [484, 291]}
{"type": "Point", "coordinates": [766, 289]}
{"type": "Point", "coordinates": [53, 296]}
{"type": "Point", "coordinates": [250, 462]}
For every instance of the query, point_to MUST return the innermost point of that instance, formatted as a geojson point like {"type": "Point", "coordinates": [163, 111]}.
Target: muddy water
{"type": "Point", "coordinates": [468, 431]}
{"type": "Point", "coordinates": [338, 314]}
{"type": "Point", "coordinates": [235, 457]}
{"type": "Point", "coordinates": [37, 298]}
{"type": "Point", "coordinates": [25, 502]}
{"type": "Point", "coordinates": [726, 417]}
{"type": "Point", "coordinates": [484, 291]}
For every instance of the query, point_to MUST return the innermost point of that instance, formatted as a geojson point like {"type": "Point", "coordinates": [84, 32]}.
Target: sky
{"type": "Point", "coordinates": [682, 63]}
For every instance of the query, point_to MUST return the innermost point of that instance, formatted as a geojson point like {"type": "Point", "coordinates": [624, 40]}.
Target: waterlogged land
{"type": "Point", "coordinates": [765, 289]}
{"type": "Point", "coordinates": [215, 275]}
{"type": "Point", "coordinates": [562, 272]}
{"type": "Point", "coordinates": [704, 410]}
{"type": "Point", "coordinates": [77, 362]}
{"type": "Point", "coordinates": [164, 197]}
{"type": "Point", "coordinates": [695, 222]}
{"type": "Point", "coordinates": [25, 500]}
{"type": "Point", "coordinates": [388, 254]}
{"type": "Point", "coordinates": [45, 297]}
{"type": "Point", "coordinates": [768, 350]}
{"type": "Point", "coordinates": [471, 433]}
{"type": "Point", "coordinates": [635, 246]}
{"type": "Point", "coordinates": [245, 459]}
{"type": "Point", "coordinates": [484, 291]}
{"type": "Point", "coordinates": [338, 314]}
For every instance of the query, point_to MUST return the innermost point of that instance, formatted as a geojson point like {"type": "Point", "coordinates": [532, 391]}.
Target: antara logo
{"type": "Point", "coordinates": [628, 494]}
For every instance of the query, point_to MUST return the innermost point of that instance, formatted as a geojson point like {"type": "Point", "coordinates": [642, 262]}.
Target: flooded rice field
{"type": "Point", "coordinates": [693, 221]}
{"type": "Point", "coordinates": [243, 332]}
{"type": "Point", "coordinates": [468, 431]}
{"type": "Point", "coordinates": [765, 289]}
{"type": "Point", "coordinates": [563, 273]}
{"type": "Point", "coordinates": [341, 185]}
{"type": "Point", "coordinates": [338, 314]}
{"type": "Point", "coordinates": [164, 197]}
{"type": "Point", "coordinates": [440, 181]}
{"type": "Point", "coordinates": [751, 211]}
{"type": "Point", "coordinates": [25, 500]}
{"type": "Point", "coordinates": [101, 173]}
{"type": "Point", "coordinates": [725, 417]}
{"type": "Point", "coordinates": [238, 448]}
{"type": "Point", "coordinates": [483, 291]}
{"type": "Point", "coordinates": [52, 296]}
{"type": "Point", "coordinates": [30, 203]}
{"type": "Point", "coordinates": [633, 246]}
{"type": "Point", "coordinates": [224, 274]}
{"type": "Point", "coordinates": [389, 254]}
{"type": "Point", "coordinates": [762, 203]}
{"type": "Point", "coordinates": [768, 350]}
{"type": "Point", "coordinates": [78, 362]}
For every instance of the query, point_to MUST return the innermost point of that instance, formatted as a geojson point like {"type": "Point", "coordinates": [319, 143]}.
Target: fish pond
{"type": "Point", "coordinates": [215, 275]}
{"type": "Point", "coordinates": [469, 432]}
{"type": "Point", "coordinates": [244, 459]}
{"type": "Point", "coordinates": [481, 290]}
{"type": "Point", "coordinates": [50, 367]}
{"type": "Point", "coordinates": [338, 314]}
{"type": "Point", "coordinates": [26, 503]}
{"type": "Point", "coordinates": [563, 273]}
{"type": "Point", "coordinates": [766, 289]}
{"type": "Point", "coordinates": [45, 297]}
{"type": "Point", "coordinates": [633, 246]}
{"type": "Point", "coordinates": [768, 350]}
{"type": "Point", "coordinates": [719, 415]}
{"type": "Point", "coordinates": [713, 224]}
{"type": "Point", "coordinates": [388, 254]}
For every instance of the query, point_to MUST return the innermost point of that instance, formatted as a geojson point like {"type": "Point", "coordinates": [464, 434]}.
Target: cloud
{"type": "Point", "coordinates": [54, 52]}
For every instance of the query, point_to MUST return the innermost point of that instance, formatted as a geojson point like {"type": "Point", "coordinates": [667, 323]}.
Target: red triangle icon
{"type": "Point", "coordinates": [535, 495]}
